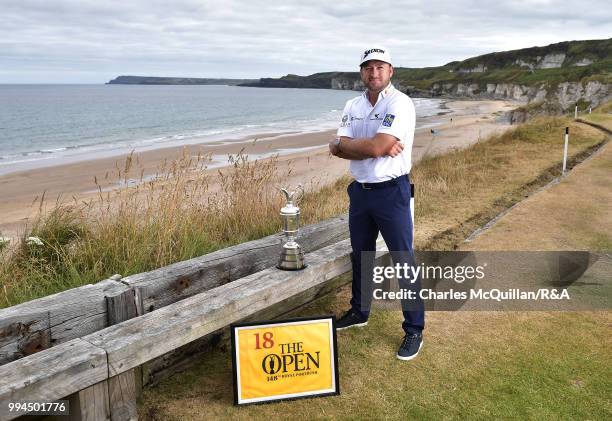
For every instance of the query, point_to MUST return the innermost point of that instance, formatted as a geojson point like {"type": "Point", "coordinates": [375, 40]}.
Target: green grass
{"type": "Point", "coordinates": [502, 67]}
{"type": "Point", "coordinates": [573, 50]}
{"type": "Point", "coordinates": [605, 108]}
{"type": "Point", "coordinates": [550, 78]}
{"type": "Point", "coordinates": [599, 118]}
{"type": "Point", "coordinates": [458, 192]}
{"type": "Point", "coordinates": [601, 241]}
{"type": "Point", "coordinates": [475, 365]}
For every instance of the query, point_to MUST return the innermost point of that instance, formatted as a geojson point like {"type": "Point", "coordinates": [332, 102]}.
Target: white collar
{"type": "Point", "coordinates": [382, 94]}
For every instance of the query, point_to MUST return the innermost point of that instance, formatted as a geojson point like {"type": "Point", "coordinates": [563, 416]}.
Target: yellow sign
{"type": "Point", "coordinates": [284, 360]}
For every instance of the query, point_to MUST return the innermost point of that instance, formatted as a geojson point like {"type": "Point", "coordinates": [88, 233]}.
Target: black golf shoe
{"type": "Point", "coordinates": [350, 319]}
{"type": "Point", "coordinates": [410, 347]}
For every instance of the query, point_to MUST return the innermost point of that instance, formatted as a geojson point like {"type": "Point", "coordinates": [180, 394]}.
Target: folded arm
{"type": "Point", "coordinates": [380, 145]}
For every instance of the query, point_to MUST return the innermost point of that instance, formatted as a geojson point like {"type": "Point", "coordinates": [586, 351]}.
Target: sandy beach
{"type": "Point", "coordinates": [305, 153]}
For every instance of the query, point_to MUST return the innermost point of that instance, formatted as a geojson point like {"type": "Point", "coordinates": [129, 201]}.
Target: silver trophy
{"type": "Point", "coordinates": [292, 257]}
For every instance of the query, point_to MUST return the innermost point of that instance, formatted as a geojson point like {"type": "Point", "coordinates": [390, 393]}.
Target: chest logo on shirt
{"type": "Point", "coordinates": [376, 117]}
{"type": "Point", "coordinates": [388, 121]}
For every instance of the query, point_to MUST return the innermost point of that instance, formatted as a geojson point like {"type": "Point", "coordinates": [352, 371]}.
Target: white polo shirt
{"type": "Point", "coordinates": [393, 114]}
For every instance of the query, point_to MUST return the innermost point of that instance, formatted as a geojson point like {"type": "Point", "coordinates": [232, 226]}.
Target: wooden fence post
{"type": "Point", "coordinates": [124, 389]}
{"type": "Point", "coordinates": [115, 398]}
{"type": "Point", "coordinates": [90, 404]}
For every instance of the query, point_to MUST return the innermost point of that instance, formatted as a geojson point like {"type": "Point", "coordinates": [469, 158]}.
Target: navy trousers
{"type": "Point", "coordinates": [385, 210]}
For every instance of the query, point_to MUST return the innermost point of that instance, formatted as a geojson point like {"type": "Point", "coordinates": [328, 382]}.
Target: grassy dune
{"type": "Point", "coordinates": [178, 216]}
{"type": "Point", "coordinates": [174, 217]}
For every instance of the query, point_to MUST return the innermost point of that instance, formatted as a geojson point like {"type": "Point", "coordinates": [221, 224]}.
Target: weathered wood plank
{"type": "Point", "coordinates": [23, 334]}
{"type": "Point", "coordinates": [122, 306]}
{"type": "Point", "coordinates": [29, 327]}
{"type": "Point", "coordinates": [137, 341]}
{"type": "Point", "coordinates": [181, 358]}
{"type": "Point", "coordinates": [175, 282]}
{"type": "Point", "coordinates": [88, 313]}
{"type": "Point", "coordinates": [90, 404]}
{"type": "Point", "coordinates": [52, 374]}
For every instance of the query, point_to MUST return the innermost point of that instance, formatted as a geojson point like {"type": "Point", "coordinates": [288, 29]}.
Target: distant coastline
{"type": "Point", "coordinates": [154, 80]}
{"type": "Point", "coordinates": [553, 79]}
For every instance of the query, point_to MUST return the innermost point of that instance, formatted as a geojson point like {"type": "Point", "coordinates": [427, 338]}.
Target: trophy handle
{"type": "Point", "coordinates": [300, 188]}
{"type": "Point", "coordinates": [290, 196]}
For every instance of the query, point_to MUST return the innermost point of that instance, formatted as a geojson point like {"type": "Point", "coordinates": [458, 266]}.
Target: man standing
{"type": "Point", "coordinates": [376, 135]}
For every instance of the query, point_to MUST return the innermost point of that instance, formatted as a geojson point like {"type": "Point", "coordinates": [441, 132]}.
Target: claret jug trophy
{"type": "Point", "coordinates": [292, 256]}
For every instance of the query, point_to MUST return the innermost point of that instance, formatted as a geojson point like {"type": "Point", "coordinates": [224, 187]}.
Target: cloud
{"type": "Point", "coordinates": [92, 41]}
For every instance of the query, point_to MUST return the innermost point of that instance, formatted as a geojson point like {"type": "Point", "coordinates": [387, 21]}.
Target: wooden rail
{"type": "Point", "coordinates": [94, 367]}
{"type": "Point", "coordinates": [39, 324]}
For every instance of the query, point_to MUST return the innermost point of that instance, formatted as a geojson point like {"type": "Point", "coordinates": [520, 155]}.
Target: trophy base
{"type": "Point", "coordinates": [291, 259]}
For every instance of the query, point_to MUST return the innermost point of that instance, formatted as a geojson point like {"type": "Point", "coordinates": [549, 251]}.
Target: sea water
{"type": "Point", "coordinates": [43, 125]}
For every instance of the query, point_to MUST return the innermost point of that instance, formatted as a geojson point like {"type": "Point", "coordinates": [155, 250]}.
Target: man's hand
{"type": "Point", "coordinates": [334, 147]}
{"type": "Point", "coordinates": [396, 149]}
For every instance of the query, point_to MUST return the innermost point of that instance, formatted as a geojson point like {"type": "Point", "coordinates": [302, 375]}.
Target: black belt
{"type": "Point", "coordinates": [382, 184]}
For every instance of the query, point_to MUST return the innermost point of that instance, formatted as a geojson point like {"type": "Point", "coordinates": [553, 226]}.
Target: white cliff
{"type": "Point", "coordinates": [551, 61]}
{"type": "Point", "coordinates": [565, 94]}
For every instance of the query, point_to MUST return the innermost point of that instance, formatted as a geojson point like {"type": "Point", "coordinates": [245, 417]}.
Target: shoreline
{"type": "Point", "coordinates": [67, 152]}
{"type": "Point", "coordinates": [305, 153]}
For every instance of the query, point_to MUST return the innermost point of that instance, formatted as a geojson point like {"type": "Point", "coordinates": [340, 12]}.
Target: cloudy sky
{"type": "Point", "coordinates": [93, 41]}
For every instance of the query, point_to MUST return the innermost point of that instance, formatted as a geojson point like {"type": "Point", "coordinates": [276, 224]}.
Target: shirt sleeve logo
{"type": "Point", "coordinates": [345, 122]}
{"type": "Point", "coordinates": [388, 121]}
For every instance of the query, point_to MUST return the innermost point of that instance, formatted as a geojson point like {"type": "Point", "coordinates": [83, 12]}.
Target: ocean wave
{"type": "Point", "coordinates": [21, 161]}
{"type": "Point", "coordinates": [53, 150]}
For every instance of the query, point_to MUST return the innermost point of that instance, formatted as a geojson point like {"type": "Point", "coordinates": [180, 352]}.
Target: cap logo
{"type": "Point", "coordinates": [373, 50]}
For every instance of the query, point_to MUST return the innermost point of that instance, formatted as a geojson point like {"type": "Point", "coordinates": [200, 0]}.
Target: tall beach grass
{"type": "Point", "coordinates": [175, 215]}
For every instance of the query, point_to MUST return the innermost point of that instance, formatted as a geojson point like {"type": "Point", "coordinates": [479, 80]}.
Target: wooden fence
{"type": "Point", "coordinates": [39, 324]}
{"type": "Point", "coordinates": [98, 344]}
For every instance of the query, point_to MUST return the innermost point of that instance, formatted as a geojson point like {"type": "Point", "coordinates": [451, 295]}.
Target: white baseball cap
{"type": "Point", "coordinates": [376, 53]}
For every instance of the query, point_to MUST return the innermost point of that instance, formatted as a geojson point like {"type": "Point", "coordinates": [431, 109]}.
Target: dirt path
{"type": "Point", "coordinates": [575, 214]}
